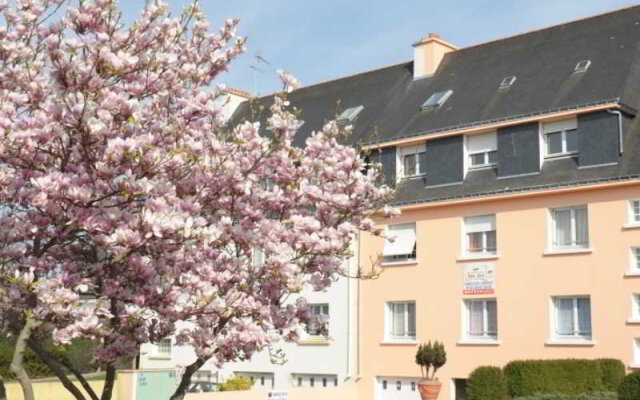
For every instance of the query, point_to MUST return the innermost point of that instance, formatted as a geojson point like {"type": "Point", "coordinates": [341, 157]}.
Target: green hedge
{"type": "Point", "coordinates": [583, 396]}
{"type": "Point", "coordinates": [613, 372]}
{"type": "Point", "coordinates": [561, 376]}
{"type": "Point", "coordinates": [630, 387]}
{"type": "Point", "coordinates": [487, 383]}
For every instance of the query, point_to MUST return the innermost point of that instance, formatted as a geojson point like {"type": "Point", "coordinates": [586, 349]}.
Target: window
{"type": "Point", "coordinates": [412, 161]}
{"type": "Point", "coordinates": [634, 212]}
{"type": "Point", "coordinates": [436, 100]}
{"type": "Point", "coordinates": [163, 348]}
{"type": "Point", "coordinates": [560, 137]}
{"type": "Point", "coordinates": [572, 317]}
{"type": "Point", "coordinates": [324, 382]}
{"type": "Point", "coordinates": [398, 385]}
{"type": "Point", "coordinates": [636, 352]}
{"type": "Point", "coordinates": [312, 382]}
{"type": "Point", "coordinates": [299, 381]}
{"type": "Point", "coordinates": [480, 235]}
{"type": "Point", "coordinates": [507, 82]}
{"type": "Point", "coordinates": [582, 66]}
{"type": "Point", "coordinates": [482, 319]}
{"type": "Point", "coordinates": [335, 381]}
{"type": "Point", "coordinates": [635, 307]}
{"type": "Point", "coordinates": [321, 310]}
{"type": "Point", "coordinates": [350, 114]}
{"type": "Point", "coordinates": [384, 385]}
{"type": "Point", "coordinates": [257, 257]}
{"type": "Point", "coordinates": [570, 228]}
{"type": "Point", "coordinates": [400, 243]}
{"type": "Point", "coordinates": [401, 320]}
{"type": "Point", "coordinates": [634, 266]}
{"type": "Point", "coordinates": [482, 150]}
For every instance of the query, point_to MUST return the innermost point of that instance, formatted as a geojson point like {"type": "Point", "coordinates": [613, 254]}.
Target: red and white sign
{"type": "Point", "coordinates": [281, 395]}
{"type": "Point", "coordinates": [479, 279]}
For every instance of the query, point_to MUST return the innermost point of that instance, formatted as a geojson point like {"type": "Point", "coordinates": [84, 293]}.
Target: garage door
{"type": "Point", "coordinates": [396, 388]}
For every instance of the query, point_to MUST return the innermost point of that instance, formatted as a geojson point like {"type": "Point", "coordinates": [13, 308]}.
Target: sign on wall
{"type": "Point", "coordinates": [479, 279]}
{"type": "Point", "coordinates": [281, 395]}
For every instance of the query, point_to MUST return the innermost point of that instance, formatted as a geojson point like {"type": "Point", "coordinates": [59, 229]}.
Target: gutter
{"type": "Point", "coordinates": [620, 138]}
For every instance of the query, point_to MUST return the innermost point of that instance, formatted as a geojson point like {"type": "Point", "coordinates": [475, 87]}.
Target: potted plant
{"type": "Point", "coordinates": [430, 357]}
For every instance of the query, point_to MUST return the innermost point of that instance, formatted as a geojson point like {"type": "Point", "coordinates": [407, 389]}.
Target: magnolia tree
{"type": "Point", "coordinates": [127, 206]}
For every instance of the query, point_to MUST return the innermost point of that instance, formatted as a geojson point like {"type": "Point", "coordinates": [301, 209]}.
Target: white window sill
{"type": "Point", "coordinates": [159, 357]}
{"type": "Point", "coordinates": [632, 273]}
{"type": "Point", "coordinates": [314, 341]}
{"type": "Point", "coordinates": [480, 256]}
{"type": "Point", "coordinates": [634, 365]}
{"type": "Point", "coordinates": [557, 156]}
{"type": "Point", "coordinates": [571, 250]}
{"type": "Point", "coordinates": [478, 342]}
{"type": "Point", "coordinates": [570, 342]}
{"type": "Point", "coordinates": [633, 321]}
{"type": "Point", "coordinates": [399, 263]}
{"type": "Point", "coordinates": [399, 342]}
{"type": "Point", "coordinates": [631, 225]}
{"type": "Point", "coordinates": [481, 167]}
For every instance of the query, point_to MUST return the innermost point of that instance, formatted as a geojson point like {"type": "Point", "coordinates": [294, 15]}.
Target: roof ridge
{"type": "Point", "coordinates": [341, 78]}
{"type": "Point", "coordinates": [535, 30]}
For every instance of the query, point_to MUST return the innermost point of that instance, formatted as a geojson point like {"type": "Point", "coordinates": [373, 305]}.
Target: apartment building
{"type": "Point", "coordinates": [517, 169]}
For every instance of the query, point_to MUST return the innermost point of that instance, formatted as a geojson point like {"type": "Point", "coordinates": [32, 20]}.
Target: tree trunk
{"type": "Point", "coordinates": [18, 354]}
{"type": "Point", "coordinates": [55, 366]}
{"type": "Point", "coordinates": [186, 379]}
{"type": "Point", "coordinates": [80, 378]}
{"type": "Point", "coordinates": [3, 392]}
{"type": "Point", "coordinates": [109, 380]}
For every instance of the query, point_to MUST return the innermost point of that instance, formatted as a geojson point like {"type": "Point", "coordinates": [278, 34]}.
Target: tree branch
{"type": "Point", "coordinates": [18, 354]}
{"type": "Point", "coordinates": [186, 379]}
{"type": "Point", "coordinates": [80, 378]}
{"type": "Point", "coordinates": [108, 383]}
{"type": "Point", "coordinates": [56, 367]}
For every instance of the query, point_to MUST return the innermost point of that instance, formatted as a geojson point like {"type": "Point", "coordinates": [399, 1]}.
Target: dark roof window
{"type": "Point", "coordinates": [350, 113]}
{"type": "Point", "coordinates": [582, 66]}
{"type": "Point", "coordinates": [507, 82]}
{"type": "Point", "coordinates": [436, 100]}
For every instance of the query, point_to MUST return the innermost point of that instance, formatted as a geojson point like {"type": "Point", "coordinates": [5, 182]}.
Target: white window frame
{"type": "Point", "coordinates": [561, 127]}
{"type": "Point", "coordinates": [634, 261]}
{"type": "Point", "coordinates": [576, 336]}
{"type": "Point", "coordinates": [408, 258]}
{"type": "Point", "coordinates": [389, 312]}
{"type": "Point", "coordinates": [466, 238]}
{"type": "Point", "coordinates": [486, 335]}
{"type": "Point", "coordinates": [161, 346]}
{"type": "Point", "coordinates": [574, 229]}
{"type": "Point", "coordinates": [407, 151]}
{"type": "Point", "coordinates": [634, 317]}
{"type": "Point", "coordinates": [484, 151]}
{"type": "Point", "coordinates": [633, 218]}
{"type": "Point", "coordinates": [315, 307]}
{"type": "Point", "coordinates": [635, 363]}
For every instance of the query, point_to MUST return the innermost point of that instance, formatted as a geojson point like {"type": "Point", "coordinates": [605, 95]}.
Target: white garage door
{"type": "Point", "coordinates": [395, 388]}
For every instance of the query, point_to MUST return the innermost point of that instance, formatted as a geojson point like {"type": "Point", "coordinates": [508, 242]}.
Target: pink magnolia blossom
{"type": "Point", "coordinates": [120, 183]}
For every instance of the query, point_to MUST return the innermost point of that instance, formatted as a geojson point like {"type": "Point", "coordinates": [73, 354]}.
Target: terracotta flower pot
{"type": "Point", "coordinates": [429, 390]}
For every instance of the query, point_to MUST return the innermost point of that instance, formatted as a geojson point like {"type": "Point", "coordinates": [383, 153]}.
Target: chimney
{"type": "Point", "coordinates": [427, 54]}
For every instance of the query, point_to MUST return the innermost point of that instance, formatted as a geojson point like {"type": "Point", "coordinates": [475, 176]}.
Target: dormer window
{"type": "Point", "coordinates": [560, 138]}
{"type": "Point", "coordinates": [350, 114]}
{"type": "Point", "coordinates": [412, 161]}
{"type": "Point", "coordinates": [482, 150]}
{"type": "Point", "coordinates": [507, 82]}
{"type": "Point", "coordinates": [436, 100]}
{"type": "Point", "coordinates": [582, 66]}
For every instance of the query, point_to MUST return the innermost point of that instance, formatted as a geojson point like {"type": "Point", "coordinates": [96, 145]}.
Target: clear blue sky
{"type": "Point", "coordinates": [318, 40]}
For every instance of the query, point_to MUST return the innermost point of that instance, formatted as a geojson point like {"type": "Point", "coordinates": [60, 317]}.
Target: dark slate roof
{"type": "Point", "coordinates": [555, 174]}
{"type": "Point", "coordinates": [543, 62]}
{"type": "Point", "coordinates": [322, 102]}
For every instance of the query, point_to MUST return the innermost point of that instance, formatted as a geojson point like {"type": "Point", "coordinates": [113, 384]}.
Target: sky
{"type": "Point", "coordinates": [320, 40]}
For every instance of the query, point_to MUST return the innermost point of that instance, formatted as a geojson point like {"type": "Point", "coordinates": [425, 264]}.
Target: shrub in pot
{"type": "Point", "coordinates": [430, 357]}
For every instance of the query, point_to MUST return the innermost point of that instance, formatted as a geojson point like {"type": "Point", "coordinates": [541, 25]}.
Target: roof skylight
{"type": "Point", "coordinates": [582, 66]}
{"type": "Point", "coordinates": [507, 82]}
{"type": "Point", "coordinates": [436, 100]}
{"type": "Point", "coordinates": [350, 113]}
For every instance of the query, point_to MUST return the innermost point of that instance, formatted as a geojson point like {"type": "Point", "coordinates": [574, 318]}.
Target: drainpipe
{"type": "Point", "coordinates": [619, 114]}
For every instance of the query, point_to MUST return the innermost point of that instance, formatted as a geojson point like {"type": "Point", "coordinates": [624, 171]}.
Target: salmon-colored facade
{"type": "Point", "coordinates": [527, 277]}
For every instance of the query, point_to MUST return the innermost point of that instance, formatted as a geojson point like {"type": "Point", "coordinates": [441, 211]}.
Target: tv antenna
{"type": "Point", "coordinates": [257, 67]}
